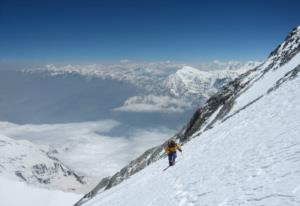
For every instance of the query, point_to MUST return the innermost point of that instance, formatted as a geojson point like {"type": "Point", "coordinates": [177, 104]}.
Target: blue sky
{"type": "Point", "coordinates": [107, 31]}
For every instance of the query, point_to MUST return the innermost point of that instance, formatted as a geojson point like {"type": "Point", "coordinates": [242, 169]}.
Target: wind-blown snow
{"type": "Point", "coordinates": [14, 193]}
{"type": "Point", "coordinates": [252, 158]}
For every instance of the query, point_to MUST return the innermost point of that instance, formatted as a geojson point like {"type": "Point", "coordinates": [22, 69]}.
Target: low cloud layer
{"type": "Point", "coordinates": [86, 148]}
{"type": "Point", "coordinates": [152, 103]}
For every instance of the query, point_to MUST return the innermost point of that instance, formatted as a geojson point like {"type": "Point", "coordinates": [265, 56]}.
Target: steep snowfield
{"type": "Point", "coordinates": [250, 159]}
{"type": "Point", "coordinates": [13, 193]}
{"type": "Point", "coordinates": [261, 87]}
{"type": "Point", "coordinates": [250, 156]}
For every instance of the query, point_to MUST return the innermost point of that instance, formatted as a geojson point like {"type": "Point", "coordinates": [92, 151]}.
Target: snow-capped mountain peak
{"type": "Point", "coordinates": [187, 70]}
{"type": "Point", "coordinates": [189, 74]}
{"type": "Point", "coordinates": [188, 80]}
{"type": "Point", "coordinates": [193, 83]}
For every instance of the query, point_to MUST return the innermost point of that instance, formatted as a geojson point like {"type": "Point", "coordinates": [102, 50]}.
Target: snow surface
{"type": "Point", "coordinates": [269, 80]}
{"type": "Point", "coordinates": [14, 193]}
{"type": "Point", "coordinates": [250, 159]}
{"type": "Point", "coordinates": [23, 161]}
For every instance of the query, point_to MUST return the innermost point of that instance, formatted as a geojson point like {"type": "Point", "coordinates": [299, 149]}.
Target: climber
{"type": "Point", "coordinates": [171, 151]}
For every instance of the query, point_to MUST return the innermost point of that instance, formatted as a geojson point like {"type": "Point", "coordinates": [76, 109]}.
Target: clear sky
{"type": "Point", "coordinates": [87, 31]}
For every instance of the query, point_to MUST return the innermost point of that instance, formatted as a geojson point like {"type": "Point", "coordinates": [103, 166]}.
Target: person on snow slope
{"type": "Point", "coordinates": [171, 149]}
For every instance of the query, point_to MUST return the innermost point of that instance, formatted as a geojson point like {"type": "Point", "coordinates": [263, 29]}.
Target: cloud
{"type": "Point", "coordinates": [152, 103]}
{"type": "Point", "coordinates": [87, 147]}
{"type": "Point", "coordinates": [57, 134]}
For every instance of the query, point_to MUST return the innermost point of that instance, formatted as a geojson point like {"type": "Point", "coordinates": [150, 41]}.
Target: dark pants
{"type": "Point", "coordinates": [172, 156]}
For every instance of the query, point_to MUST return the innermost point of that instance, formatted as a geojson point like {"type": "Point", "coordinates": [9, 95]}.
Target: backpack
{"type": "Point", "coordinates": [172, 143]}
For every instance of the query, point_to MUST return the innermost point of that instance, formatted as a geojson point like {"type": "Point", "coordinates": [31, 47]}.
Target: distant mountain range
{"type": "Point", "coordinates": [164, 87]}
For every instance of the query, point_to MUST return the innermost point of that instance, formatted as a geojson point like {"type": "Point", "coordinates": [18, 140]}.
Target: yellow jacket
{"type": "Point", "coordinates": [169, 150]}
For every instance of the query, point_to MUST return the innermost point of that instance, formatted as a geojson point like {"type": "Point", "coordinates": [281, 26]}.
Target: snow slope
{"type": "Point", "coordinates": [250, 159]}
{"type": "Point", "coordinates": [249, 156]}
{"type": "Point", "coordinates": [14, 193]}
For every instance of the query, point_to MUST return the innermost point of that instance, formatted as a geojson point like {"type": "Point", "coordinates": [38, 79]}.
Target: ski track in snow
{"type": "Point", "coordinates": [251, 159]}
